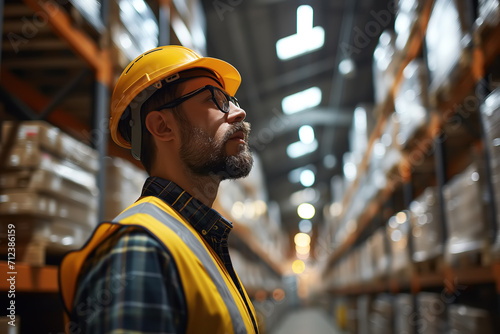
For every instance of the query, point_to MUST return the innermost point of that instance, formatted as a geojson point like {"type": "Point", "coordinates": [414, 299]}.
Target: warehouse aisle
{"type": "Point", "coordinates": [306, 320]}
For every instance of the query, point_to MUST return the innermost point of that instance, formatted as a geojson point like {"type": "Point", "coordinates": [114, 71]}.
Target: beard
{"type": "Point", "coordinates": [205, 155]}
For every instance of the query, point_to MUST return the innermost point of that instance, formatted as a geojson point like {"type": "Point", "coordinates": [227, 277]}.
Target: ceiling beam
{"type": "Point", "coordinates": [278, 124]}
{"type": "Point", "coordinates": [300, 74]}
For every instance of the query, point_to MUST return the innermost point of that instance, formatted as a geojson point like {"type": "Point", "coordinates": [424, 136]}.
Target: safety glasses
{"type": "Point", "coordinates": [220, 98]}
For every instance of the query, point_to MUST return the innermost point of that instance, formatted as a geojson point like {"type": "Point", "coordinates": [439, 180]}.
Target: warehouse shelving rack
{"type": "Point", "coordinates": [39, 34]}
{"type": "Point", "coordinates": [486, 50]}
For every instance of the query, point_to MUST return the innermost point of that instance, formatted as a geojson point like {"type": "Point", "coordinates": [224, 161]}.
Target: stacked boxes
{"type": "Point", "coordinates": [432, 313]}
{"type": "Point", "coordinates": [489, 11]}
{"type": "Point", "coordinates": [386, 62]}
{"type": "Point", "coordinates": [378, 249]}
{"type": "Point", "coordinates": [398, 234]}
{"type": "Point", "coordinates": [490, 112]}
{"type": "Point", "coordinates": [382, 315]}
{"type": "Point", "coordinates": [48, 189]}
{"type": "Point", "coordinates": [466, 223]}
{"type": "Point", "coordinates": [449, 43]}
{"type": "Point", "coordinates": [471, 320]}
{"type": "Point", "coordinates": [427, 226]}
{"type": "Point", "coordinates": [407, 22]}
{"type": "Point", "coordinates": [124, 183]}
{"type": "Point", "coordinates": [411, 102]}
{"type": "Point", "coordinates": [404, 314]}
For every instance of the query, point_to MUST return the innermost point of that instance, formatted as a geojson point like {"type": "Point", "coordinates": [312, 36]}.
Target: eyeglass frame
{"type": "Point", "coordinates": [178, 101]}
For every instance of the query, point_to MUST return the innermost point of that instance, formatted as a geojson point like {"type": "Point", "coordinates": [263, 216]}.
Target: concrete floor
{"type": "Point", "coordinates": [306, 321]}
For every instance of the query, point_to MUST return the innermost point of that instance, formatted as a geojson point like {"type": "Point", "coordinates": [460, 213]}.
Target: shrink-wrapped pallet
{"type": "Point", "coordinates": [364, 303]}
{"type": "Point", "coordinates": [363, 123]}
{"type": "Point", "coordinates": [470, 320]}
{"type": "Point", "coordinates": [449, 44]}
{"type": "Point", "coordinates": [381, 316]}
{"type": "Point", "coordinates": [398, 235]}
{"type": "Point", "coordinates": [124, 183]}
{"type": "Point", "coordinates": [386, 63]}
{"type": "Point", "coordinates": [432, 313]}
{"type": "Point", "coordinates": [132, 32]}
{"type": "Point", "coordinates": [33, 139]}
{"type": "Point", "coordinates": [48, 190]}
{"type": "Point", "coordinates": [488, 12]}
{"type": "Point", "coordinates": [490, 112]}
{"type": "Point", "coordinates": [411, 102]}
{"type": "Point", "coordinates": [405, 317]}
{"type": "Point", "coordinates": [380, 254]}
{"type": "Point", "coordinates": [427, 226]}
{"type": "Point", "coordinates": [465, 200]}
{"type": "Point", "coordinates": [407, 21]}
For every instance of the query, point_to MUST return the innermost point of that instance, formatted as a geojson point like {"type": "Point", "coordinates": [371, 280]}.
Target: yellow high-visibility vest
{"type": "Point", "coordinates": [214, 303]}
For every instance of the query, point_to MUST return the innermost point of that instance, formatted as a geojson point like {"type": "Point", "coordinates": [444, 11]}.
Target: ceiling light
{"type": "Point", "coordinates": [305, 99]}
{"type": "Point", "coordinates": [302, 239]}
{"type": "Point", "coordinates": [305, 226]}
{"type": "Point", "coordinates": [306, 211]}
{"type": "Point", "coordinates": [329, 161]}
{"type": "Point", "coordinates": [298, 149]}
{"type": "Point", "coordinates": [307, 178]}
{"type": "Point", "coordinates": [347, 67]}
{"type": "Point", "coordinates": [298, 266]}
{"type": "Point", "coordinates": [306, 134]}
{"type": "Point", "coordinates": [307, 195]}
{"type": "Point", "coordinates": [307, 38]}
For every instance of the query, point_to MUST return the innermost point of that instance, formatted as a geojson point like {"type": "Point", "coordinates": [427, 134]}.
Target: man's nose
{"type": "Point", "coordinates": [236, 114]}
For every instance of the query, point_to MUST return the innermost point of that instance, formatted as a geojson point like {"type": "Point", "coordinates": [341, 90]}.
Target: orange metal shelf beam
{"type": "Point", "coordinates": [59, 117]}
{"type": "Point", "coordinates": [31, 279]}
{"type": "Point", "coordinates": [79, 42]}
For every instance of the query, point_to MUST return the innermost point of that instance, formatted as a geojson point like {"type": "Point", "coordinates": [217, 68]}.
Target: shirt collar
{"type": "Point", "coordinates": [208, 222]}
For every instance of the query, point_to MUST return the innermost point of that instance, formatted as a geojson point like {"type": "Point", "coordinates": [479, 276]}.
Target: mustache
{"type": "Point", "coordinates": [241, 126]}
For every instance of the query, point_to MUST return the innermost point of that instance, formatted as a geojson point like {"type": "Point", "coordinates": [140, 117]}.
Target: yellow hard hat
{"type": "Point", "coordinates": [147, 73]}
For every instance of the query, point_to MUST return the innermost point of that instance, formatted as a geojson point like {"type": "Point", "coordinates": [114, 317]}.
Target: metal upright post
{"type": "Point", "coordinates": [440, 163]}
{"type": "Point", "coordinates": [100, 140]}
{"type": "Point", "coordinates": [2, 5]}
{"type": "Point", "coordinates": [164, 23]}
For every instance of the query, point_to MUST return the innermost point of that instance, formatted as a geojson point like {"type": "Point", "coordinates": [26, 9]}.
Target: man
{"type": "Point", "coordinates": [162, 265]}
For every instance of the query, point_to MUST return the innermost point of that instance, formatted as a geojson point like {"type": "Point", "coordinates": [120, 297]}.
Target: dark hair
{"type": "Point", "coordinates": [148, 148]}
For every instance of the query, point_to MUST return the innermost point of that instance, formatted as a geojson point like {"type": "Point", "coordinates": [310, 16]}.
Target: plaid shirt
{"type": "Point", "coordinates": [130, 284]}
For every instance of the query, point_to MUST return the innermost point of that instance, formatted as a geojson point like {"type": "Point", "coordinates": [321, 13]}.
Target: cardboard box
{"type": "Point", "coordinates": [466, 219]}
{"type": "Point", "coordinates": [427, 226]}
{"type": "Point", "coordinates": [490, 113]}
{"type": "Point", "coordinates": [36, 237]}
{"type": "Point", "coordinates": [470, 320]}
{"type": "Point", "coordinates": [449, 44]}
{"type": "Point", "coordinates": [398, 235]}
{"type": "Point", "coordinates": [411, 102]}
{"type": "Point", "coordinates": [432, 313]}
{"type": "Point", "coordinates": [36, 138]}
{"type": "Point", "coordinates": [15, 202]}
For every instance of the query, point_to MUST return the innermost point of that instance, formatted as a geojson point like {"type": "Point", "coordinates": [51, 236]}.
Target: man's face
{"type": "Point", "coordinates": [213, 143]}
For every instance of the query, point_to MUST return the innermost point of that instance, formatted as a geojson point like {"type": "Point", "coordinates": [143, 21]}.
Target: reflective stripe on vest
{"type": "Point", "coordinates": [199, 251]}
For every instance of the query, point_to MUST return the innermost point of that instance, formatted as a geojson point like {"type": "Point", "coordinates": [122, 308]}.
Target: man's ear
{"type": "Point", "coordinates": [161, 125]}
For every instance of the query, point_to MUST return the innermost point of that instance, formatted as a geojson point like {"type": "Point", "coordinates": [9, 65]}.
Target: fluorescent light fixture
{"type": "Point", "coordinates": [347, 67]}
{"type": "Point", "coordinates": [305, 99]}
{"type": "Point", "coordinates": [307, 178]}
{"type": "Point", "coordinates": [298, 149]}
{"type": "Point", "coordinates": [306, 134]}
{"type": "Point", "coordinates": [306, 211]}
{"type": "Point", "coordinates": [307, 38]}
{"type": "Point", "coordinates": [305, 226]}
